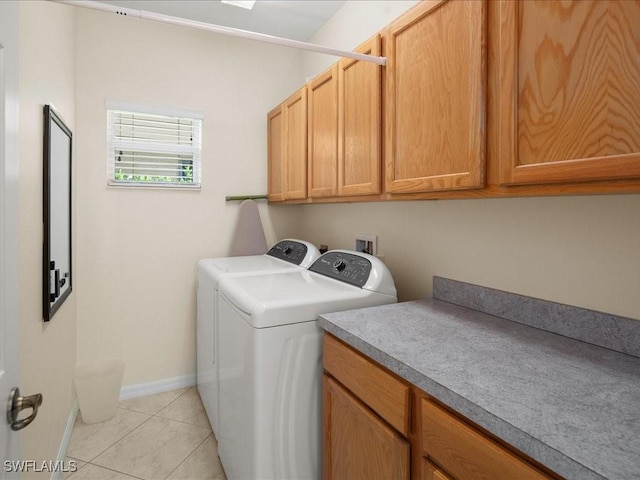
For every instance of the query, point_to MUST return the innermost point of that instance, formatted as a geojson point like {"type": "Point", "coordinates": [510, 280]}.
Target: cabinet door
{"type": "Point", "coordinates": [357, 444]}
{"type": "Point", "coordinates": [430, 472]}
{"type": "Point", "coordinates": [569, 91]}
{"type": "Point", "coordinates": [323, 134]}
{"type": "Point", "coordinates": [275, 154]}
{"type": "Point", "coordinates": [436, 100]}
{"type": "Point", "coordinates": [295, 145]}
{"type": "Point", "coordinates": [359, 141]}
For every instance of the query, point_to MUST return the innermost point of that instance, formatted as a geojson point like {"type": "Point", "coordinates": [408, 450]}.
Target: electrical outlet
{"type": "Point", "coordinates": [366, 243]}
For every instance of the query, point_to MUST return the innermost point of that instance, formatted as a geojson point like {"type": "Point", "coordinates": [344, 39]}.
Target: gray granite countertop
{"type": "Point", "coordinates": [570, 405]}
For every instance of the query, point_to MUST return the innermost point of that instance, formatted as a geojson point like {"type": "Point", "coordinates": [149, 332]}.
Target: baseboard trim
{"type": "Point", "coordinates": [66, 438]}
{"type": "Point", "coordinates": [159, 386]}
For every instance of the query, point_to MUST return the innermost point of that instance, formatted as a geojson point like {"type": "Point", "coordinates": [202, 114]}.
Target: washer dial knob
{"type": "Point", "coordinates": [339, 264]}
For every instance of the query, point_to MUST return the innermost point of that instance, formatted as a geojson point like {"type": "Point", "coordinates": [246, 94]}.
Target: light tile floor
{"type": "Point", "coordinates": [163, 436]}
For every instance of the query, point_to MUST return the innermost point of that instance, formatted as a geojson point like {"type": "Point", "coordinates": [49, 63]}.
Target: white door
{"type": "Point", "coordinates": [8, 225]}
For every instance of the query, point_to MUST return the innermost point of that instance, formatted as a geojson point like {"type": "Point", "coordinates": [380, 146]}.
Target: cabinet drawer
{"type": "Point", "coordinates": [465, 453]}
{"type": "Point", "coordinates": [381, 391]}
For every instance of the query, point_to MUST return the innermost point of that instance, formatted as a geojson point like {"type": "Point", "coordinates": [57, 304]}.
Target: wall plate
{"type": "Point", "coordinates": [367, 243]}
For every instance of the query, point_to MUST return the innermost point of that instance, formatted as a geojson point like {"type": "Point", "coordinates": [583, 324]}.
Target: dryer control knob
{"type": "Point", "coordinates": [339, 264]}
{"type": "Point", "coordinates": [287, 250]}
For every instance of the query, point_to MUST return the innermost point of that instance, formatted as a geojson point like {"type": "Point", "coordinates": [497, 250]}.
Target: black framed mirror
{"type": "Point", "coordinates": [56, 199]}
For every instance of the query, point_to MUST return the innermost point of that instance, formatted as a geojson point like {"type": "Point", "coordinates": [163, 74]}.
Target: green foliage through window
{"type": "Point", "coordinates": [147, 147]}
{"type": "Point", "coordinates": [186, 176]}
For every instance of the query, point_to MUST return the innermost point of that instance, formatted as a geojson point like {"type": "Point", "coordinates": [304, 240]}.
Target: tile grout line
{"type": "Point", "coordinates": [186, 423]}
{"type": "Point", "coordinates": [189, 456]}
{"type": "Point", "coordinates": [78, 468]}
{"type": "Point", "coordinates": [150, 416]}
{"type": "Point", "coordinates": [156, 415]}
{"type": "Point", "coordinates": [120, 439]}
{"type": "Point", "coordinates": [111, 445]}
{"type": "Point", "coordinates": [116, 471]}
{"type": "Point", "coordinates": [180, 421]}
{"type": "Point", "coordinates": [129, 433]}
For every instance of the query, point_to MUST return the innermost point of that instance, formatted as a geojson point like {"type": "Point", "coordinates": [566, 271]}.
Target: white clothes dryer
{"type": "Point", "coordinates": [286, 255]}
{"type": "Point", "coordinates": [271, 365]}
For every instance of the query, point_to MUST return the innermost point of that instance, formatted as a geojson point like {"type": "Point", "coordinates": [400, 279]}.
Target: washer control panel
{"type": "Point", "coordinates": [289, 251]}
{"type": "Point", "coordinates": [346, 267]}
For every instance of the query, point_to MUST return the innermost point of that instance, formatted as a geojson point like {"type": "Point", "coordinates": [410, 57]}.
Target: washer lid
{"type": "Point", "coordinates": [215, 268]}
{"type": "Point", "coordinates": [293, 297]}
{"type": "Point", "coordinates": [284, 256]}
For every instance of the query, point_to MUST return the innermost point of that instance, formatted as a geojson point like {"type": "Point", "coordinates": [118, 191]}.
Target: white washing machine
{"type": "Point", "coordinates": [271, 365]}
{"type": "Point", "coordinates": [286, 255]}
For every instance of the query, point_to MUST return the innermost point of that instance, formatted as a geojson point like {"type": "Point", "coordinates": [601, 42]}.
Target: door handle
{"type": "Point", "coordinates": [17, 404]}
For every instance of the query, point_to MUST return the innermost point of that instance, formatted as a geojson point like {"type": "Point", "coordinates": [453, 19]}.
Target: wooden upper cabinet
{"type": "Point", "coordinates": [275, 148]}
{"type": "Point", "coordinates": [569, 91]}
{"type": "Point", "coordinates": [436, 97]}
{"type": "Point", "coordinates": [345, 127]}
{"type": "Point", "coordinates": [359, 108]}
{"type": "Point", "coordinates": [295, 145]}
{"type": "Point", "coordinates": [323, 134]}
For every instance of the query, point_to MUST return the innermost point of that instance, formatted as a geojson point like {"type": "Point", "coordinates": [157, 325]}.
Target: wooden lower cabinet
{"type": "Point", "coordinates": [464, 453]}
{"type": "Point", "coordinates": [428, 471]}
{"type": "Point", "coordinates": [361, 399]}
{"type": "Point", "coordinates": [381, 391]}
{"type": "Point", "coordinates": [358, 444]}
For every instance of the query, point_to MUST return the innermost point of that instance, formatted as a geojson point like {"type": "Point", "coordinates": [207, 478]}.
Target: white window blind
{"type": "Point", "coordinates": [153, 146]}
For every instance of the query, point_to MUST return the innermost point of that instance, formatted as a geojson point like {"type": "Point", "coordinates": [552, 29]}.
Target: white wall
{"type": "Point", "coordinates": [47, 351]}
{"type": "Point", "coordinates": [354, 23]}
{"type": "Point", "coordinates": [581, 251]}
{"type": "Point", "coordinates": [137, 248]}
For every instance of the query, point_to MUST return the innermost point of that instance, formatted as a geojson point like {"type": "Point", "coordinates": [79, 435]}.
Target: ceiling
{"type": "Point", "coordinates": [294, 19]}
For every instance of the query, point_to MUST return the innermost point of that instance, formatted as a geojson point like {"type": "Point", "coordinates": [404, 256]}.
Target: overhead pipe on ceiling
{"type": "Point", "coordinates": [234, 32]}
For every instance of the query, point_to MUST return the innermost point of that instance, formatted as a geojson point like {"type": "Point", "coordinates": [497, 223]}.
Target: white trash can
{"type": "Point", "coordinates": [98, 387]}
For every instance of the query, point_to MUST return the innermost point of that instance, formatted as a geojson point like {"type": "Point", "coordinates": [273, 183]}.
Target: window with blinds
{"type": "Point", "coordinates": [153, 146]}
